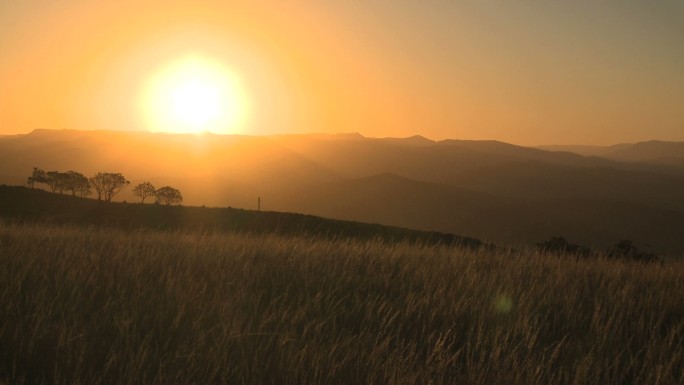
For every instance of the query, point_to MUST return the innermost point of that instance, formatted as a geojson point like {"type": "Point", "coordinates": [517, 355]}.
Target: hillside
{"type": "Point", "coordinates": [24, 204]}
{"type": "Point", "coordinates": [489, 190]}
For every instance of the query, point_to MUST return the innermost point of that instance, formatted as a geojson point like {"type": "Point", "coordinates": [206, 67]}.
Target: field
{"type": "Point", "coordinates": [103, 305]}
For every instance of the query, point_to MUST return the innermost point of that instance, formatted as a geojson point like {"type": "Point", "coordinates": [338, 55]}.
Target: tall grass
{"type": "Point", "coordinates": [103, 306]}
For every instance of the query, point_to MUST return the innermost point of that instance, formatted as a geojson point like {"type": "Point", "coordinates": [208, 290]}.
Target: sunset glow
{"type": "Point", "coordinates": [524, 72]}
{"type": "Point", "coordinates": [194, 95]}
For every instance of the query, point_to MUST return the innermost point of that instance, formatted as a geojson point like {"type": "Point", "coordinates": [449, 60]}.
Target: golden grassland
{"type": "Point", "coordinates": [94, 305]}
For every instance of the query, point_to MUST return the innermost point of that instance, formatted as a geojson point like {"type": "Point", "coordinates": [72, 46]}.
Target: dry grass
{"type": "Point", "coordinates": [103, 306]}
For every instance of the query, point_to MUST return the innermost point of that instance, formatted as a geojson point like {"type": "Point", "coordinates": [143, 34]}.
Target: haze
{"type": "Point", "coordinates": [525, 72]}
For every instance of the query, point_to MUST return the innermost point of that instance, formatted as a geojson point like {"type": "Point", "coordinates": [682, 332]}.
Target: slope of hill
{"type": "Point", "coordinates": [24, 204]}
{"type": "Point", "coordinates": [597, 222]}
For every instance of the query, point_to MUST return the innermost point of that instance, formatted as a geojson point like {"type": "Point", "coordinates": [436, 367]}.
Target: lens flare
{"type": "Point", "coordinates": [503, 304]}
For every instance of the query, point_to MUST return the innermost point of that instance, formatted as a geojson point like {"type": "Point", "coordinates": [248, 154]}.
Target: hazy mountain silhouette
{"type": "Point", "coordinates": [585, 150]}
{"type": "Point", "coordinates": [490, 190]}
{"type": "Point", "coordinates": [654, 151]}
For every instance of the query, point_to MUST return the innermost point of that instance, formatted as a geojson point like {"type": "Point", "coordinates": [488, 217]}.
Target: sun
{"type": "Point", "coordinates": [193, 95]}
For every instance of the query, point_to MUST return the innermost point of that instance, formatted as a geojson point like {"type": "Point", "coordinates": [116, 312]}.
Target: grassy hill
{"type": "Point", "coordinates": [25, 204]}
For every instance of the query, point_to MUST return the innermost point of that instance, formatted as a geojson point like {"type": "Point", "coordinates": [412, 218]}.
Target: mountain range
{"type": "Point", "coordinates": [493, 191]}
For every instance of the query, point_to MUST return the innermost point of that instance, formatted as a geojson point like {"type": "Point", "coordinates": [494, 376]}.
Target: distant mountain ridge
{"type": "Point", "coordinates": [489, 190]}
{"type": "Point", "coordinates": [654, 151]}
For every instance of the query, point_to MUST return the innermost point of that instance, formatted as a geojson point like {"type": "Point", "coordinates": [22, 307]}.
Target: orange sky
{"type": "Point", "coordinates": [523, 72]}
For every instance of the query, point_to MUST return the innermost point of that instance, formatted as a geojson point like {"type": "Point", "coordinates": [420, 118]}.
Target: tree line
{"type": "Point", "coordinates": [105, 185]}
{"type": "Point", "coordinates": [624, 249]}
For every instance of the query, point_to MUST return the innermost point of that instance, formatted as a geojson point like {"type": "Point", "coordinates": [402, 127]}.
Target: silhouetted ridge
{"type": "Point", "coordinates": [645, 151]}
{"type": "Point", "coordinates": [21, 203]}
{"type": "Point", "coordinates": [653, 151]}
{"type": "Point", "coordinates": [415, 140]}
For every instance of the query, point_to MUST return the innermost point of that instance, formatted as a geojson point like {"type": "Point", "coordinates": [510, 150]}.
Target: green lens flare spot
{"type": "Point", "coordinates": [503, 304]}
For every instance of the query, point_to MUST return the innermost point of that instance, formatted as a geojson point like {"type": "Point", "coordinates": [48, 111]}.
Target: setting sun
{"type": "Point", "coordinates": [194, 95]}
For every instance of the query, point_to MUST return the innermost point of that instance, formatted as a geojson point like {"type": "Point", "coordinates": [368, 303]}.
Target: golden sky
{"type": "Point", "coordinates": [526, 72]}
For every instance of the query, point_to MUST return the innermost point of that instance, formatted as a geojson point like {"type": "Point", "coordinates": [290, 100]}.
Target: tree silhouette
{"type": "Point", "coordinates": [168, 196]}
{"type": "Point", "coordinates": [144, 190]}
{"type": "Point", "coordinates": [559, 245]}
{"type": "Point", "coordinates": [108, 184]}
{"type": "Point", "coordinates": [75, 182]}
{"type": "Point", "coordinates": [38, 176]}
{"type": "Point", "coordinates": [55, 181]}
{"type": "Point", "coordinates": [625, 249]}
{"type": "Point", "coordinates": [58, 181]}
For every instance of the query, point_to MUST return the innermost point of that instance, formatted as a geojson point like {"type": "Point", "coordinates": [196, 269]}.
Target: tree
{"type": "Point", "coordinates": [625, 249]}
{"type": "Point", "coordinates": [559, 245]}
{"type": "Point", "coordinates": [38, 176]}
{"type": "Point", "coordinates": [168, 196]}
{"type": "Point", "coordinates": [55, 180]}
{"type": "Point", "coordinates": [108, 184]}
{"type": "Point", "coordinates": [144, 190]}
{"type": "Point", "coordinates": [60, 182]}
{"type": "Point", "coordinates": [83, 189]}
{"type": "Point", "coordinates": [75, 182]}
